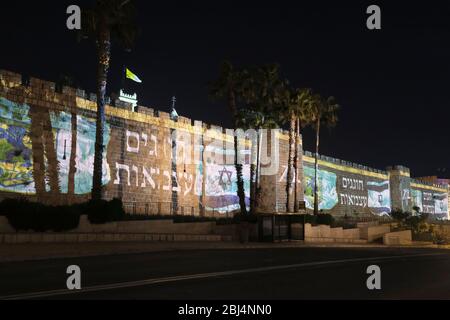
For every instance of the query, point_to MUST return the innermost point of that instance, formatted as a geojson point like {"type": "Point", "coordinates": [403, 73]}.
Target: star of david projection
{"type": "Point", "coordinates": [223, 183]}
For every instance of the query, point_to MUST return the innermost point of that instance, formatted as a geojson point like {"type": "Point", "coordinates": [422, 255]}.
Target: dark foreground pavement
{"type": "Point", "coordinates": [266, 273]}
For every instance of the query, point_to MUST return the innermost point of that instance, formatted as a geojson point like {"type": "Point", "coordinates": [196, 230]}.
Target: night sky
{"type": "Point", "coordinates": [393, 84]}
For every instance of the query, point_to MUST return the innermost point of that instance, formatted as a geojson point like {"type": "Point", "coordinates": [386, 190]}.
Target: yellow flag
{"type": "Point", "coordinates": [132, 76]}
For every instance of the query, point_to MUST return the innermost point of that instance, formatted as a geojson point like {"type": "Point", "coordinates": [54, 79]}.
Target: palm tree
{"type": "Point", "coordinates": [73, 155]}
{"type": "Point", "coordinates": [228, 87]}
{"type": "Point", "coordinates": [257, 92]}
{"type": "Point", "coordinates": [323, 112]}
{"type": "Point", "coordinates": [287, 107]}
{"type": "Point", "coordinates": [302, 98]}
{"type": "Point", "coordinates": [292, 125]}
{"type": "Point", "coordinates": [108, 20]}
{"type": "Point", "coordinates": [205, 175]}
{"type": "Point", "coordinates": [251, 118]}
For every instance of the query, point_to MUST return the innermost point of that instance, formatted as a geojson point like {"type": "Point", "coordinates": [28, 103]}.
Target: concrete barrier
{"type": "Point", "coordinates": [398, 238]}
{"type": "Point", "coordinates": [323, 233]}
{"type": "Point", "coordinates": [125, 231]}
{"type": "Point", "coordinates": [128, 227]}
{"type": "Point", "coordinates": [372, 233]}
{"type": "Point", "coordinates": [23, 238]}
{"type": "Point", "coordinates": [232, 230]}
{"type": "Point", "coordinates": [334, 240]}
{"type": "Point", "coordinates": [149, 226]}
{"type": "Point", "coordinates": [367, 224]}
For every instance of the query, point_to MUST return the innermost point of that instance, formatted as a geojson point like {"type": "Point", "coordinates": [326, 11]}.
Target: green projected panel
{"type": "Point", "coordinates": [17, 149]}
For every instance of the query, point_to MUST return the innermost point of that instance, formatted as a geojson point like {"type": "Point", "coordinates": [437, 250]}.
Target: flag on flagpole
{"type": "Point", "coordinates": [130, 75]}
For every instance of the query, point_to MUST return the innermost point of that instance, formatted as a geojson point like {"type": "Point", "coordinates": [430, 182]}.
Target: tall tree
{"type": "Point", "coordinates": [301, 102]}
{"type": "Point", "coordinates": [323, 112]}
{"type": "Point", "coordinates": [287, 109]}
{"type": "Point", "coordinates": [228, 87]}
{"type": "Point", "coordinates": [257, 92]}
{"type": "Point", "coordinates": [108, 20]}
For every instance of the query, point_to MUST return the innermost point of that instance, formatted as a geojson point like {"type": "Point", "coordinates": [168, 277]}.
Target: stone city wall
{"type": "Point", "coordinates": [155, 165]}
{"type": "Point", "coordinates": [160, 166]}
{"type": "Point", "coordinates": [351, 189]}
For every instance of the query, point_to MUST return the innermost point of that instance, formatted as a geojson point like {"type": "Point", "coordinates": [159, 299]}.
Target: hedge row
{"type": "Point", "coordinates": [24, 215]}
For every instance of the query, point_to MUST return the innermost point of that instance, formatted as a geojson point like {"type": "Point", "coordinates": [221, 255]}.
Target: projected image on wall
{"type": "Point", "coordinates": [433, 203]}
{"type": "Point", "coordinates": [53, 149]}
{"type": "Point", "coordinates": [85, 151]}
{"type": "Point", "coordinates": [416, 197]}
{"type": "Point", "coordinates": [16, 162]}
{"type": "Point", "coordinates": [379, 197]}
{"type": "Point", "coordinates": [328, 197]}
{"type": "Point", "coordinates": [441, 204]}
{"type": "Point", "coordinates": [221, 187]}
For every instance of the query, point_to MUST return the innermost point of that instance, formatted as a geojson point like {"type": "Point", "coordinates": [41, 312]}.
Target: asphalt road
{"type": "Point", "coordinates": [278, 273]}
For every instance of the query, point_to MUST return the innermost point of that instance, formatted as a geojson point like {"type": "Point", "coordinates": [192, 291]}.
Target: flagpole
{"type": "Point", "coordinates": [124, 76]}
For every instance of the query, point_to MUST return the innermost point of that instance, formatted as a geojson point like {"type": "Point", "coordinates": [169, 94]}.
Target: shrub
{"type": "Point", "coordinates": [251, 218]}
{"type": "Point", "coordinates": [417, 222]}
{"type": "Point", "coordinates": [326, 219]}
{"type": "Point", "coordinates": [102, 211]}
{"type": "Point", "coordinates": [24, 215]}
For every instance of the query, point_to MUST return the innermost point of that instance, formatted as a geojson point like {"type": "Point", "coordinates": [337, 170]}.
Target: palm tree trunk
{"type": "Point", "coordinates": [253, 159]}
{"type": "Point", "coordinates": [204, 177]}
{"type": "Point", "coordinates": [296, 173]}
{"type": "Point", "coordinates": [258, 163]}
{"type": "Point", "coordinates": [289, 165]}
{"type": "Point", "coordinates": [316, 170]}
{"type": "Point", "coordinates": [73, 156]}
{"type": "Point", "coordinates": [52, 157]}
{"type": "Point", "coordinates": [104, 52]}
{"type": "Point", "coordinates": [240, 180]}
{"type": "Point", "coordinates": [37, 145]}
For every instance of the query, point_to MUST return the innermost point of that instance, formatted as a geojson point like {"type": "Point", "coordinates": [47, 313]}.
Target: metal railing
{"type": "Point", "coordinates": [157, 208]}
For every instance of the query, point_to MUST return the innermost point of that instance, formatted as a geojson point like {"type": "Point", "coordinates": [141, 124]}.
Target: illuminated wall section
{"type": "Point", "coordinates": [221, 187]}
{"type": "Point", "coordinates": [137, 168]}
{"type": "Point", "coordinates": [345, 190]}
{"type": "Point", "coordinates": [16, 162]}
{"type": "Point", "coordinates": [47, 147]}
{"type": "Point", "coordinates": [84, 152]}
{"type": "Point", "coordinates": [327, 182]}
{"type": "Point", "coordinates": [379, 197]}
{"type": "Point", "coordinates": [433, 202]}
{"type": "Point", "coordinates": [17, 171]}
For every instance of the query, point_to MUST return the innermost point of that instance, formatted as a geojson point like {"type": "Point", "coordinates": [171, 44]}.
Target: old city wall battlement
{"type": "Point", "coordinates": [47, 137]}
{"type": "Point", "coordinates": [152, 163]}
{"type": "Point", "coordinates": [351, 189]}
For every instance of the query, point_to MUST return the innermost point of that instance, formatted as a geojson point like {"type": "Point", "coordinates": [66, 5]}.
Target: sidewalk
{"type": "Point", "coordinates": [27, 252]}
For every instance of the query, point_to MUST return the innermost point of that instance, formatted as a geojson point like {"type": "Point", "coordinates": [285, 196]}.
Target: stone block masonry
{"type": "Point", "coordinates": [155, 165]}
{"type": "Point", "coordinates": [159, 166]}
{"type": "Point", "coordinates": [353, 190]}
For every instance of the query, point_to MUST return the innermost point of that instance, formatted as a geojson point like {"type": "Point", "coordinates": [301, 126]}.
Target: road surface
{"type": "Point", "coordinates": [269, 273]}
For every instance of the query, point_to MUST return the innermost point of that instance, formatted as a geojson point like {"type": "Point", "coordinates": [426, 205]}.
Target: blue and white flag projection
{"type": "Point", "coordinates": [379, 196]}
{"type": "Point", "coordinates": [341, 192]}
